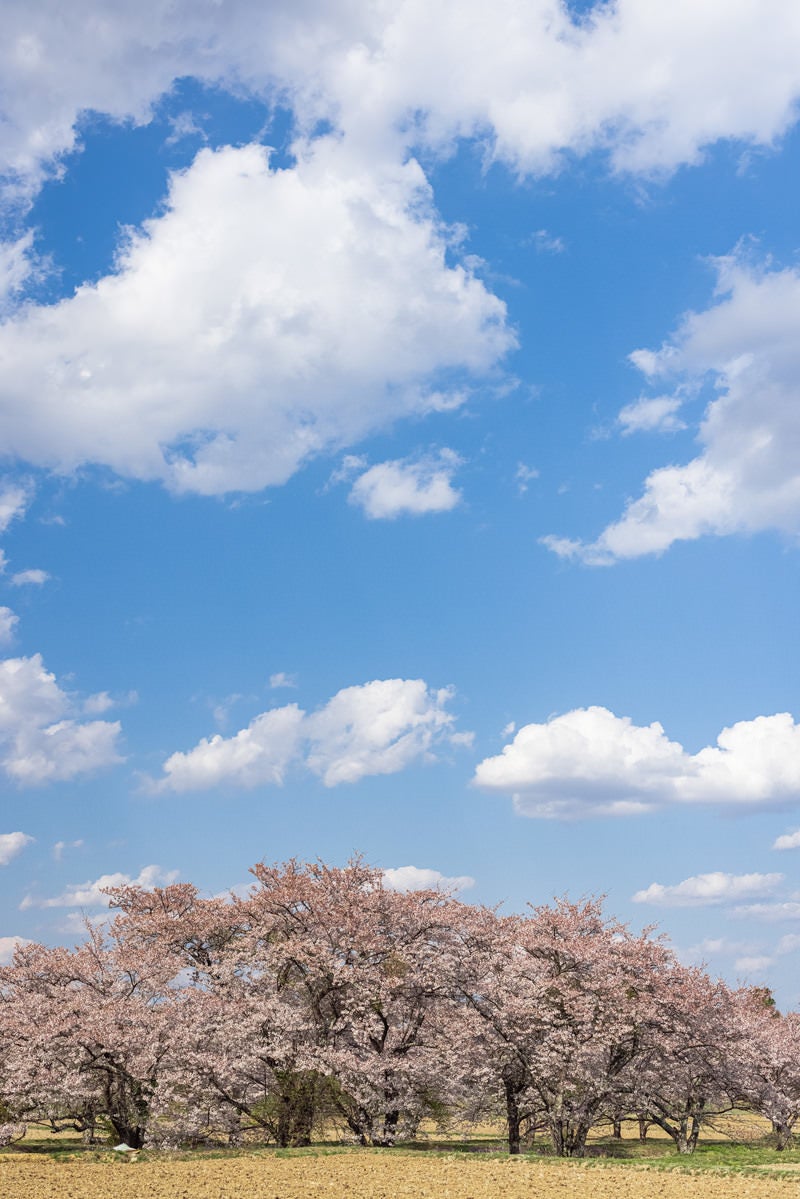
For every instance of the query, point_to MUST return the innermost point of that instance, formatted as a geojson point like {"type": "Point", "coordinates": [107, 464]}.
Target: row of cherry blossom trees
{"type": "Point", "coordinates": [325, 998]}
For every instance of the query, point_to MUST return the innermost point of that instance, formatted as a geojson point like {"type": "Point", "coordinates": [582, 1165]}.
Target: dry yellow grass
{"type": "Point", "coordinates": [366, 1176]}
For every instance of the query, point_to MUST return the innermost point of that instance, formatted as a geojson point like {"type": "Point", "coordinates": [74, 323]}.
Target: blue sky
{"type": "Point", "coordinates": [400, 456]}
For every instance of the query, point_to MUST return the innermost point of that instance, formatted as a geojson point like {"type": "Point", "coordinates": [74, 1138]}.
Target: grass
{"type": "Point", "coordinates": [736, 1146]}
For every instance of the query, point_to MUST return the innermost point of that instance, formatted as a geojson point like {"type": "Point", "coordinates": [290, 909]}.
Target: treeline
{"type": "Point", "coordinates": [325, 999]}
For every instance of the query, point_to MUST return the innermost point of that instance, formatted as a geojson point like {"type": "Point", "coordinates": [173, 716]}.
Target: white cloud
{"type": "Point", "coordinates": [756, 964]}
{"type": "Point", "coordinates": [8, 625]}
{"type": "Point", "coordinates": [408, 487]}
{"type": "Point", "coordinates": [7, 947]}
{"type": "Point", "coordinates": [15, 497]}
{"type": "Point", "coordinates": [27, 577]}
{"type": "Point", "coordinates": [648, 83]}
{"type": "Point", "coordinates": [770, 912]}
{"type": "Point", "coordinates": [12, 844]}
{"type": "Point", "coordinates": [787, 841]}
{"type": "Point", "coordinates": [257, 755]}
{"type": "Point", "coordinates": [788, 944]}
{"type": "Point", "coordinates": [375, 728]}
{"type": "Point", "coordinates": [282, 679]}
{"type": "Point", "coordinates": [547, 243]}
{"type": "Point", "coordinates": [60, 846]}
{"type": "Point", "coordinates": [102, 701]}
{"type": "Point", "coordinates": [419, 878]}
{"type": "Point", "coordinates": [714, 888]}
{"type": "Point", "coordinates": [524, 476]}
{"type": "Point", "coordinates": [656, 415]}
{"type": "Point", "coordinates": [746, 479]}
{"type": "Point", "coordinates": [90, 894]}
{"type": "Point", "coordinates": [591, 762]}
{"type": "Point", "coordinates": [319, 310]}
{"type": "Point", "coordinates": [40, 741]}
{"type": "Point", "coordinates": [697, 955]}
{"type": "Point", "coordinates": [17, 266]}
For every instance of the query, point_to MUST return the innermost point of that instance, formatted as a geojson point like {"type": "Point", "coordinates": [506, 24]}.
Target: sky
{"type": "Point", "coordinates": [400, 433]}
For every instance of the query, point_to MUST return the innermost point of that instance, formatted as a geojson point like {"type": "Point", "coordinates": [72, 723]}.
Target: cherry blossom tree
{"type": "Point", "coordinates": [767, 1065]}
{"type": "Point", "coordinates": [684, 1078]}
{"type": "Point", "coordinates": [87, 1030]}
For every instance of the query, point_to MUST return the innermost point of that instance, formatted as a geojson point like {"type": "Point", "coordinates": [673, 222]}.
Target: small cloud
{"type": "Point", "coordinates": [545, 242]}
{"type": "Point", "coordinates": [185, 126]}
{"type": "Point", "coordinates": [347, 469]}
{"type": "Point", "coordinates": [27, 578]}
{"type": "Point", "coordinates": [15, 498]}
{"type": "Point", "coordinates": [787, 841]}
{"type": "Point", "coordinates": [282, 679]}
{"type": "Point", "coordinates": [704, 889]}
{"type": "Point", "coordinates": [101, 701]}
{"type": "Point", "coordinates": [12, 844]}
{"type": "Point", "coordinates": [509, 729]}
{"type": "Point", "coordinates": [60, 846]}
{"type": "Point", "coordinates": [418, 878]}
{"type": "Point", "coordinates": [408, 487]}
{"type": "Point", "coordinates": [788, 944]}
{"type": "Point", "coordinates": [8, 625]}
{"type": "Point", "coordinates": [222, 711]}
{"type": "Point", "coordinates": [658, 415]}
{"type": "Point", "coordinates": [753, 965]}
{"type": "Point", "coordinates": [771, 913]}
{"type": "Point", "coordinates": [524, 476]}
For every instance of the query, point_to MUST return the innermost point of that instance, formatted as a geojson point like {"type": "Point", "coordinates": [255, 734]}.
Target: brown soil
{"type": "Point", "coordinates": [366, 1176]}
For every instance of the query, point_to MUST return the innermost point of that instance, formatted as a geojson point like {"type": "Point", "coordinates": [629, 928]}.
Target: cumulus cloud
{"type": "Point", "coordinates": [375, 728]}
{"type": "Point", "coordinates": [656, 415]}
{"type": "Point", "coordinates": [25, 578]}
{"type": "Point", "coordinates": [590, 762]}
{"type": "Point", "coordinates": [420, 878]}
{"type": "Point", "coordinates": [40, 740]}
{"type": "Point", "coordinates": [258, 754]}
{"type": "Point", "coordinates": [649, 84]}
{"type": "Point", "coordinates": [12, 844]}
{"type": "Point", "coordinates": [787, 841]}
{"type": "Point", "coordinates": [7, 947]}
{"type": "Point", "coordinates": [702, 890]}
{"type": "Point", "coordinates": [8, 625]}
{"type": "Point", "coordinates": [408, 486]}
{"type": "Point", "coordinates": [90, 894]}
{"type": "Point", "coordinates": [746, 478]}
{"type": "Point", "coordinates": [266, 316]}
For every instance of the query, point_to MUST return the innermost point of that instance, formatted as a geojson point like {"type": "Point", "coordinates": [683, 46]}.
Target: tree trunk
{"type": "Point", "coordinates": [783, 1134]}
{"type": "Point", "coordinates": [303, 1110]}
{"type": "Point", "coordinates": [643, 1126]}
{"type": "Point", "coordinates": [569, 1139]}
{"type": "Point", "coordinates": [617, 1130]}
{"type": "Point", "coordinates": [513, 1115]}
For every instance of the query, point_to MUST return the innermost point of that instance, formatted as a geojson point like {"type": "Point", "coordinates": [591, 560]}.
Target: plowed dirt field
{"type": "Point", "coordinates": [368, 1176]}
